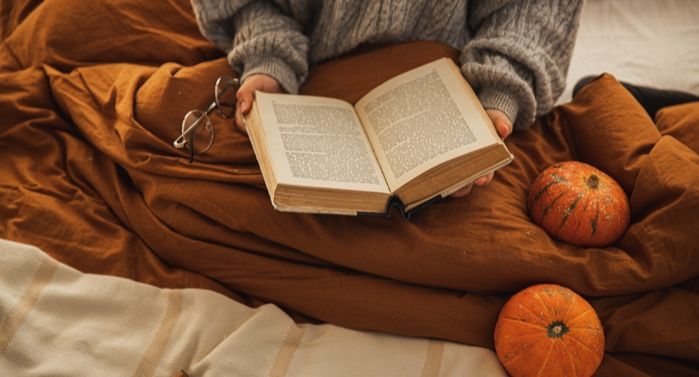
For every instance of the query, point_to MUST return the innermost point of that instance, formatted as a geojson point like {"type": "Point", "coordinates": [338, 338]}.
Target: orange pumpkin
{"type": "Point", "coordinates": [579, 204]}
{"type": "Point", "coordinates": [549, 330]}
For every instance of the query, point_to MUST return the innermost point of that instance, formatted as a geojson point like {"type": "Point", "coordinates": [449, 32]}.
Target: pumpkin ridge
{"type": "Point", "coordinates": [570, 210]}
{"type": "Point", "coordinates": [552, 314]}
{"type": "Point", "coordinates": [546, 210]}
{"type": "Point", "coordinates": [523, 321]}
{"type": "Point", "coordinates": [580, 220]}
{"type": "Point", "coordinates": [520, 336]}
{"type": "Point", "coordinates": [570, 321]}
{"type": "Point", "coordinates": [593, 222]}
{"type": "Point", "coordinates": [564, 314]}
{"type": "Point", "coordinates": [558, 178]}
{"type": "Point", "coordinates": [584, 346]}
{"type": "Point", "coordinates": [523, 351]}
{"type": "Point", "coordinates": [577, 328]}
{"type": "Point", "coordinates": [543, 190]}
{"type": "Point", "coordinates": [570, 357]}
{"type": "Point", "coordinates": [546, 360]}
{"type": "Point", "coordinates": [542, 323]}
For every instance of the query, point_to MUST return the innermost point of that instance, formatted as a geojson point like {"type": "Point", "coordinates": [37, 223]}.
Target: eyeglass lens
{"type": "Point", "coordinates": [225, 90]}
{"type": "Point", "coordinates": [202, 136]}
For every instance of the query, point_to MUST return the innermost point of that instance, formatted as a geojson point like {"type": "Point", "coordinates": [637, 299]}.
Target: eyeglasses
{"type": "Point", "coordinates": [197, 130]}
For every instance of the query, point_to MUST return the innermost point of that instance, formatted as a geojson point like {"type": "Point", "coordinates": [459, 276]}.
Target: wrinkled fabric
{"type": "Point", "coordinates": [92, 96]}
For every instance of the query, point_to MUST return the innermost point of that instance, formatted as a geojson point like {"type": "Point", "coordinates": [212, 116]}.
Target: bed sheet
{"type": "Point", "coordinates": [53, 313]}
{"type": "Point", "coordinates": [644, 42]}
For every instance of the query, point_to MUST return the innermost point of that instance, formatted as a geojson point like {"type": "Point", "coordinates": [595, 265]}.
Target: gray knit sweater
{"type": "Point", "coordinates": [514, 53]}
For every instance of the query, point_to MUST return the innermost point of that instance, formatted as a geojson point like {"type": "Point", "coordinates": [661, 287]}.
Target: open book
{"type": "Point", "coordinates": [418, 136]}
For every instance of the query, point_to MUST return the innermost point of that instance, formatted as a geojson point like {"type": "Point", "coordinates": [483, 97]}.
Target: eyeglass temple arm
{"type": "Point", "coordinates": [181, 140]}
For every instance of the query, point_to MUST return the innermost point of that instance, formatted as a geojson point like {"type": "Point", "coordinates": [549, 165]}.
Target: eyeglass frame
{"type": "Point", "coordinates": [181, 141]}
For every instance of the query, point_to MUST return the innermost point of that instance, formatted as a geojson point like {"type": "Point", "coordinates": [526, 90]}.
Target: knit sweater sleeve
{"type": "Point", "coordinates": [518, 56]}
{"type": "Point", "coordinates": [259, 36]}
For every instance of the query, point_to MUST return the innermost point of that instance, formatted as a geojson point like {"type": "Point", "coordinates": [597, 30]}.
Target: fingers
{"type": "Point", "coordinates": [504, 129]}
{"type": "Point", "coordinates": [503, 126]}
{"type": "Point", "coordinates": [244, 97]}
{"type": "Point", "coordinates": [246, 94]}
{"type": "Point", "coordinates": [463, 192]}
{"type": "Point", "coordinates": [502, 123]}
{"type": "Point", "coordinates": [484, 180]}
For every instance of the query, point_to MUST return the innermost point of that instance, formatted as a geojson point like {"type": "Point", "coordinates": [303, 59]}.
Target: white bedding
{"type": "Point", "coordinates": [646, 42]}
{"type": "Point", "coordinates": [56, 321]}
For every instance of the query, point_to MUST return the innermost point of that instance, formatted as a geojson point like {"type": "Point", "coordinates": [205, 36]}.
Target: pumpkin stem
{"type": "Point", "coordinates": [593, 181]}
{"type": "Point", "coordinates": [556, 329]}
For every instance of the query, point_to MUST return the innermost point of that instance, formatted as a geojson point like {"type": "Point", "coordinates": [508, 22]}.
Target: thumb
{"type": "Point", "coordinates": [502, 123]}
{"type": "Point", "coordinates": [242, 107]}
{"type": "Point", "coordinates": [245, 102]}
{"type": "Point", "coordinates": [463, 192]}
{"type": "Point", "coordinates": [503, 127]}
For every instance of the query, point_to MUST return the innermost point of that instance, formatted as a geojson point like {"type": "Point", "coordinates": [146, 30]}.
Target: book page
{"type": "Point", "coordinates": [422, 118]}
{"type": "Point", "coordinates": [319, 142]}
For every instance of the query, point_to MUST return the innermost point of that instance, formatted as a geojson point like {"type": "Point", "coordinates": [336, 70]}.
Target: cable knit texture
{"type": "Point", "coordinates": [514, 53]}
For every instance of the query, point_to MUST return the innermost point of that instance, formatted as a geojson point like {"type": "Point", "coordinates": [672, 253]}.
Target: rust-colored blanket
{"type": "Point", "coordinates": [92, 95]}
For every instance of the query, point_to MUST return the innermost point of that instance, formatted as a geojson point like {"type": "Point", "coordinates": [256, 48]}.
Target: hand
{"type": "Point", "coordinates": [246, 94]}
{"type": "Point", "coordinates": [504, 127]}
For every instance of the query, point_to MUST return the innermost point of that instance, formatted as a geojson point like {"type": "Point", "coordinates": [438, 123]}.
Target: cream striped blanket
{"type": "Point", "coordinates": [57, 321]}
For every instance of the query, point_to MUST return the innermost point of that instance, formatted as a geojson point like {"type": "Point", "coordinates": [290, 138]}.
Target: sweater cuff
{"type": "Point", "coordinates": [494, 99]}
{"type": "Point", "coordinates": [274, 67]}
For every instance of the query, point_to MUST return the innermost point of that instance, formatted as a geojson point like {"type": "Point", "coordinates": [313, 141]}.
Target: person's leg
{"type": "Point", "coordinates": [651, 99]}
